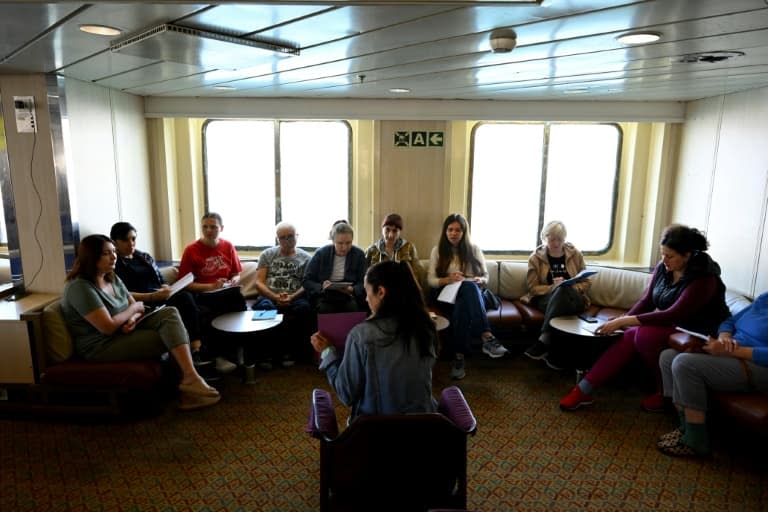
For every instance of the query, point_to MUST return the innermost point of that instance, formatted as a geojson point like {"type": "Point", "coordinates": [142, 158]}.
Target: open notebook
{"type": "Point", "coordinates": [336, 326]}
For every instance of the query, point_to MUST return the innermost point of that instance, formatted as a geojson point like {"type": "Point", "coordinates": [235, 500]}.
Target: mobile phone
{"type": "Point", "coordinates": [588, 319]}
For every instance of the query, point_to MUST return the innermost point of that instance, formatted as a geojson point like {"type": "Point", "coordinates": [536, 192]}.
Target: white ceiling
{"type": "Point", "coordinates": [566, 49]}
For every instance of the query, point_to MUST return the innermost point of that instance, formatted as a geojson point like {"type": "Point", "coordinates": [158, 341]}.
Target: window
{"type": "Point", "coordinates": [527, 174]}
{"type": "Point", "coordinates": [258, 173]}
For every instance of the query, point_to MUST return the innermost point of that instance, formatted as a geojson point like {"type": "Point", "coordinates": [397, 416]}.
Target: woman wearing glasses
{"type": "Point", "coordinates": [391, 247]}
{"type": "Point", "coordinates": [554, 261]}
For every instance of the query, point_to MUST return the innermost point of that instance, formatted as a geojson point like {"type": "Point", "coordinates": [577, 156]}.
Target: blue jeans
{"type": "Point", "coordinates": [468, 316]}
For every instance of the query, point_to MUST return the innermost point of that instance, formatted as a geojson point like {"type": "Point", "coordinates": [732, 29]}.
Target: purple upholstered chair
{"type": "Point", "coordinates": [397, 462]}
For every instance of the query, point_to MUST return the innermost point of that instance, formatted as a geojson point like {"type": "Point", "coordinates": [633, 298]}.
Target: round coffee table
{"type": "Point", "coordinates": [242, 323]}
{"type": "Point", "coordinates": [441, 322]}
{"type": "Point", "coordinates": [576, 326]}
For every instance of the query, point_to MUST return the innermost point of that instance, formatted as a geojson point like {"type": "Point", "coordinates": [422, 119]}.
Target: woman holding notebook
{"type": "Point", "coordinates": [456, 261]}
{"type": "Point", "coordinates": [387, 363]}
{"type": "Point", "coordinates": [552, 263]}
{"type": "Point", "coordinates": [109, 325]}
{"type": "Point", "coordinates": [685, 291]}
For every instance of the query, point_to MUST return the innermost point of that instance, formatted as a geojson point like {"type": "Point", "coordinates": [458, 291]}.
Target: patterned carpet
{"type": "Point", "coordinates": [251, 453]}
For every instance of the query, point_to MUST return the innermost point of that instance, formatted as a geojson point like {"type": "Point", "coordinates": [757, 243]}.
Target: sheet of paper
{"type": "Point", "coordinates": [448, 293]}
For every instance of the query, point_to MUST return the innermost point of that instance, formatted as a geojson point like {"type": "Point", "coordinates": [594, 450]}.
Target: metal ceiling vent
{"type": "Point", "coordinates": [710, 57]}
{"type": "Point", "coordinates": [176, 43]}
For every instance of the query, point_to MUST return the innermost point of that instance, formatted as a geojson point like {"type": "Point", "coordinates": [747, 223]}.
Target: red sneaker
{"type": "Point", "coordinates": [574, 400]}
{"type": "Point", "coordinates": [653, 403]}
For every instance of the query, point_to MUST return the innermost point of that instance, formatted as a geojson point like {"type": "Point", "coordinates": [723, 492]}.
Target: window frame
{"type": "Point", "coordinates": [543, 184]}
{"type": "Point", "coordinates": [278, 169]}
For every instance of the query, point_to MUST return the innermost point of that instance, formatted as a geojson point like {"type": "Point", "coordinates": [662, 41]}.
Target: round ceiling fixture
{"type": "Point", "coordinates": [639, 37]}
{"type": "Point", "coordinates": [503, 40]}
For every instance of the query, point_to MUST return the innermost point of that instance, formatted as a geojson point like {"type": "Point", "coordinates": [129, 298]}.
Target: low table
{"type": "Point", "coordinates": [241, 323]}
{"type": "Point", "coordinates": [576, 326]}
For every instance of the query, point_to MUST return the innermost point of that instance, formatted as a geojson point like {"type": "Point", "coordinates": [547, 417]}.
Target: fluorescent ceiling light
{"type": "Point", "coordinates": [100, 30]}
{"type": "Point", "coordinates": [639, 37]}
{"type": "Point", "coordinates": [400, 90]}
{"type": "Point", "coordinates": [224, 87]}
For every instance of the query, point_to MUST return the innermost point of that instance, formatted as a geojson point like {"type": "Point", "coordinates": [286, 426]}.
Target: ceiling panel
{"type": "Point", "coordinates": [565, 48]}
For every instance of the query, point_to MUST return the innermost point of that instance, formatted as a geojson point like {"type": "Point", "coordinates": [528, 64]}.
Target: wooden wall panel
{"type": "Point", "coordinates": [411, 182]}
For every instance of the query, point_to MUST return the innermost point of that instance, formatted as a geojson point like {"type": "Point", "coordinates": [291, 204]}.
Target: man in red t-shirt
{"type": "Point", "coordinates": [215, 265]}
{"type": "Point", "coordinates": [212, 260]}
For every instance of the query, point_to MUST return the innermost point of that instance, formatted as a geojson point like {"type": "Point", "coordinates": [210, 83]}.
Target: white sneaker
{"type": "Point", "coordinates": [493, 348]}
{"type": "Point", "coordinates": [225, 365]}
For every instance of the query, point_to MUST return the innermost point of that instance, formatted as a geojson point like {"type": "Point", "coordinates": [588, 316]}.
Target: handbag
{"type": "Point", "coordinates": [490, 299]}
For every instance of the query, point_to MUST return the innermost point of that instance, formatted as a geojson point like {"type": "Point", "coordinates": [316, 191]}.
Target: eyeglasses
{"type": "Point", "coordinates": [286, 238]}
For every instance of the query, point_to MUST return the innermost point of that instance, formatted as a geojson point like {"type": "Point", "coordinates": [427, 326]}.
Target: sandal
{"type": "Point", "coordinates": [673, 437]}
{"type": "Point", "coordinates": [680, 450]}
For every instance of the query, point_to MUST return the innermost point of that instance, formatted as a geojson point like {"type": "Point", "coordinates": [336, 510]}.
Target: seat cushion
{"type": "Point", "coordinates": [58, 341]}
{"type": "Point", "coordinates": [139, 375]}
{"type": "Point", "coordinates": [506, 317]}
{"type": "Point", "coordinates": [749, 409]}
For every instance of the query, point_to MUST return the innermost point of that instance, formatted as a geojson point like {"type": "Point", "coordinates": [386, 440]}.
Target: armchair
{"type": "Point", "coordinates": [394, 462]}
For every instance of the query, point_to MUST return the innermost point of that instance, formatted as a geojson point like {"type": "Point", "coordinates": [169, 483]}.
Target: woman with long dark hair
{"type": "Point", "coordinates": [387, 363]}
{"type": "Point", "coordinates": [685, 291]}
{"type": "Point", "coordinates": [457, 259]}
{"type": "Point", "coordinates": [107, 324]}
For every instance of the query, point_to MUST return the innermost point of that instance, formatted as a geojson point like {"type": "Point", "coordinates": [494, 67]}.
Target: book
{"type": "Point", "coordinates": [584, 274]}
{"type": "Point", "coordinates": [693, 333]}
{"type": "Point", "coordinates": [181, 283]}
{"type": "Point", "coordinates": [149, 311]}
{"type": "Point", "coordinates": [264, 314]}
{"type": "Point", "coordinates": [337, 285]}
{"type": "Point", "coordinates": [226, 288]}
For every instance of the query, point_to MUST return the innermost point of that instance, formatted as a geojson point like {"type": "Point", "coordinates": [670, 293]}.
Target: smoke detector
{"type": "Point", "coordinates": [503, 40]}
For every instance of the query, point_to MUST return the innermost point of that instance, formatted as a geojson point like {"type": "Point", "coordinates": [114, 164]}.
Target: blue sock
{"type": "Point", "coordinates": [585, 386]}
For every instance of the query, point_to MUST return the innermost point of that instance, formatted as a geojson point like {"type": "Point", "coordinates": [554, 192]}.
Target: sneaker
{"type": "Point", "coordinates": [199, 360]}
{"type": "Point", "coordinates": [493, 348]}
{"type": "Point", "coordinates": [653, 403]}
{"type": "Point", "coordinates": [574, 400]}
{"type": "Point", "coordinates": [457, 369]}
{"type": "Point", "coordinates": [537, 351]}
{"type": "Point", "coordinates": [287, 361]}
{"type": "Point", "coordinates": [553, 363]}
{"type": "Point", "coordinates": [224, 365]}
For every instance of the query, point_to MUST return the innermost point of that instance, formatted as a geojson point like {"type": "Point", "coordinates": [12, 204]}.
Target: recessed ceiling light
{"type": "Point", "coordinates": [101, 30]}
{"type": "Point", "coordinates": [399, 90]}
{"type": "Point", "coordinates": [579, 90]}
{"type": "Point", "coordinates": [224, 87]}
{"type": "Point", "coordinates": [639, 37]}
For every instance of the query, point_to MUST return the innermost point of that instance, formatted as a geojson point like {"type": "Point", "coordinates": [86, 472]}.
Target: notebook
{"type": "Point", "coordinates": [336, 326]}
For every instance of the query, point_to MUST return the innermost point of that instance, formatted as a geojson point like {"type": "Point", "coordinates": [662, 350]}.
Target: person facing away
{"type": "Point", "coordinates": [215, 265]}
{"type": "Point", "coordinates": [279, 281]}
{"type": "Point", "coordinates": [735, 361]}
{"type": "Point", "coordinates": [334, 276]}
{"type": "Point", "coordinates": [457, 260]}
{"type": "Point", "coordinates": [387, 363]}
{"type": "Point", "coordinates": [391, 247]}
{"type": "Point", "coordinates": [139, 273]}
{"type": "Point", "coordinates": [685, 291]}
{"type": "Point", "coordinates": [107, 324]}
{"type": "Point", "coordinates": [554, 261]}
